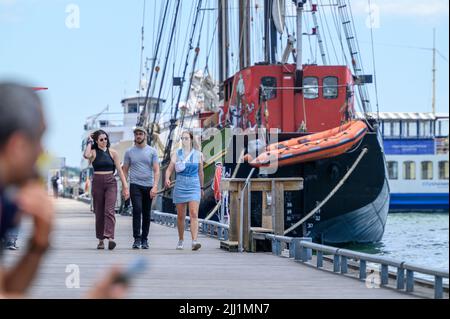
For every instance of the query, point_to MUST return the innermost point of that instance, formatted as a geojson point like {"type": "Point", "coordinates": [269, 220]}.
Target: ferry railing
{"type": "Point", "coordinates": [301, 249]}
{"type": "Point", "coordinates": [208, 227]}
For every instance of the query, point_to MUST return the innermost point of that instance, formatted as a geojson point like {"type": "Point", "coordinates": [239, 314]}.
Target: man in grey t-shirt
{"type": "Point", "coordinates": [142, 166]}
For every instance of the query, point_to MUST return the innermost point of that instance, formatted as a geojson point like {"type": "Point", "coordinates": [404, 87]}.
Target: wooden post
{"type": "Point", "coordinates": [266, 214]}
{"type": "Point", "coordinates": [247, 217]}
{"type": "Point", "coordinates": [278, 200]}
{"type": "Point", "coordinates": [273, 223]}
{"type": "Point", "coordinates": [234, 216]}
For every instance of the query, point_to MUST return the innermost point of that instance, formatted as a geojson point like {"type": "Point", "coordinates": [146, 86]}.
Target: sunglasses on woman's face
{"type": "Point", "coordinates": [185, 138]}
{"type": "Point", "coordinates": [103, 139]}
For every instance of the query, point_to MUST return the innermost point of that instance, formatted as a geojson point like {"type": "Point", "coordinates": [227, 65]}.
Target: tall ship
{"type": "Point", "coordinates": [275, 114]}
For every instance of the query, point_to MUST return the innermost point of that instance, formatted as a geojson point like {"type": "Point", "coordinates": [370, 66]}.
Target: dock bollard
{"type": "Point", "coordinates": [438, 287]}
{"type": "Point", "coordinates": [276, 247]}
{"type": "Point", "coordinates": [336, 266]}
{"type": "Point", "coordinates": [307, 251]}
{"type": "Point", "coordinates": [400, 278]}
{"type": "Point", "coordinates": [292, 249]}
{"type": "Point", "coordinates": [344, 265]}
{"type": "Point", "coordinates": [409, 280]}
{"type": "Point", "coordinates": [362, 269]}
{"type": "Point", "coordinates": [319, 259]}
{"type": "Point", "coordinates": [384, 275]}
{"type": "Point", "coordinates": [297, 248]}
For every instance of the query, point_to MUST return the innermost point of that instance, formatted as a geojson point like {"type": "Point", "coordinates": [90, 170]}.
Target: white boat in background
{"type": "Point", "coordinates": [119, 127]}
{"type": "Point", "coordinates": [416, 147]}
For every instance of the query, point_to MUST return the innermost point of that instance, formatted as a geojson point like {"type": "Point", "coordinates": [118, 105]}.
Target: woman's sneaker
{"type": "Point", "coordinates": [180, 245]}
{"type": "Point", "coordinates": [196, 245]}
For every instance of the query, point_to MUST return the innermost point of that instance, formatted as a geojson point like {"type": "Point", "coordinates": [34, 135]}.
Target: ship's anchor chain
{"type": "Point", "coordinates": [330, 195]}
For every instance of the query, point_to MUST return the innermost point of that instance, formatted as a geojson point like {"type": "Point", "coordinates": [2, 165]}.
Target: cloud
{"type": "Point", "coordinates": [405, 8]}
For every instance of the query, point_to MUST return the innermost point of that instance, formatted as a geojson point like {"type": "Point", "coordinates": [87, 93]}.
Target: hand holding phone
{"type": "Point", "coordinates": [136, 267]}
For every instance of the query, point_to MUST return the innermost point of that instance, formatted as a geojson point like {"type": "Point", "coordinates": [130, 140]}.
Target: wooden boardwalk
{"type": "Point", "coordinates": [209, 273]}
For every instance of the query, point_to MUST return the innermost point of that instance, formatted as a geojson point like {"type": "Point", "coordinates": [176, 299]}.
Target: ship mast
{"type": "Point", "coordinates": [433, 105]}
{"type": "Point", "coordinates": [223, 40]}
{"type": "Point", "coordinates": [244, 34]}
{"type": "Point", "coordinates": [270, 33]}
{"type": "Point", "coordinates": [299, 70]}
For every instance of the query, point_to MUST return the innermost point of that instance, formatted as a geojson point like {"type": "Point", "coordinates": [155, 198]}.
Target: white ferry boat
{"type": "Point", "coordinates": [416, 148]}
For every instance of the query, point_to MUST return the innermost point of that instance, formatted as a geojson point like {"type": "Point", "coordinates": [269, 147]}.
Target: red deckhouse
{"type": "Point", "coordinates": [325, 100]}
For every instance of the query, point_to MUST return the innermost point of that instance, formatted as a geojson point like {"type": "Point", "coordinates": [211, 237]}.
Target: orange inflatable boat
{"type": "Point", "coordinates": [312, 147]}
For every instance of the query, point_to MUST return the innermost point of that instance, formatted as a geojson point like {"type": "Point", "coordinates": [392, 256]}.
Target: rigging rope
{"type": "Point", "coordinates": [172, 127]}
{"type": "Point", "coordinates": [374, 62]}
{"type": "Point", "coordinates": [143, 115]}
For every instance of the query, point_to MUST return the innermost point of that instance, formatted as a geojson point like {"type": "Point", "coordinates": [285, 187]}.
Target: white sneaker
{"type": "Point", "coordinates": [196, 245]}
{"type": "Point", "coordinates": [180, 245]}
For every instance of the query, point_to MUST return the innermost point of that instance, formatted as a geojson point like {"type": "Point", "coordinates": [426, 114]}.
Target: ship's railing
{"type": "Point", "coordinates": [208, 227]}
{"type": "Point", "coordinates": [301, 249]}
{"type": "Point", "coordinates": [105, 120]}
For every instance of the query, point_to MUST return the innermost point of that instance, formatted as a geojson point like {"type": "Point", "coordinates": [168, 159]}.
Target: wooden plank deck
{"type": "Point", "coordinates": [206, 274]}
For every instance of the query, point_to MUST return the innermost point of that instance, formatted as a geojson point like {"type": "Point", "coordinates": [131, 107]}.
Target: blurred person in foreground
{"type": "Point", "coordinates": [22, 125]}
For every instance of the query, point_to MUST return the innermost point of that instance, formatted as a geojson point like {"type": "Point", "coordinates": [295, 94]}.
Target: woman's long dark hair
{"type": "Point", "coordinates": [95, 137]}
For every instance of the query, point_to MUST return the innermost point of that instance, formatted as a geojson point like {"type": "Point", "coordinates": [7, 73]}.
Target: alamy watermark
{"type": "Point", "coordinates": [73, 16]}
{"type": "Point", "coordinates": [73, 279]}
{"type": "Point", "coordinates": [373, 20]}
{"type": "Point", "coordinates": [235, 141]}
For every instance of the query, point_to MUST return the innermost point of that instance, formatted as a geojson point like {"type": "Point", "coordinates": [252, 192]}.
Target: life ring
{"type": "Point", "coordinates": [216, 183]}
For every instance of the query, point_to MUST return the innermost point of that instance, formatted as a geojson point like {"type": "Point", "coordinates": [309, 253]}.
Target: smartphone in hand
{"type": "Point", "coordinates": [136, 267]}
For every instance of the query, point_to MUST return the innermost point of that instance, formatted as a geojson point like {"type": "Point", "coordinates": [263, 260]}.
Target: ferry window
{"type": "Point", "coordinates": [132, 108]}
{"type": "Point", "coordinates": [409, 129]}
{"type": "Point", "coordinates": [392, 170]}
{"type": "Point", "coordinates": [269, 83]}
{"type": "Point", "coordinates": [425, 129]}
{"type": "Point", "coordinates": [310, 88]}
{"type": "Point", "coordinates": [442, 128]}
{"type": "Point", "coordinates": [387, 129]}
{"type": "Point", "coordinates": [395, 129]}
{"type": "Point", "coordinates": [409, 170]}
{"type": "Point", "coordinates": [427, 170]}
{"type": "Point", "coordinates": [443, 170]}
{"type": "Point", "coordinates": [330, 87]}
